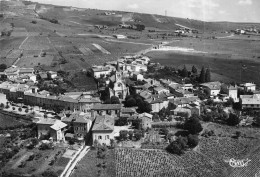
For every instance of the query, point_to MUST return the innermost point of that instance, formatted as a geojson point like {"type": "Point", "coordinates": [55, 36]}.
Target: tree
{"type": "Point", "coordinates": [2, 67]}
{"type": "Point", "coordinates": [202, 75]}
{"type": "Point", "coordinates": [137, 134]}
{"type": "Point", "coordinates": [137, 124]}
{"type": "Point", "coordinates": [20, 109]}
{"type": "Point", "coordinates": [130, 134]}
{"type": "Point", "coordinates": [123, 135]}
{"type": "Point", "coordinates": [164, 131]}
{"type": "Point", "coordinates": [193, 140]}
{"type": "Point", "coordinates": [140, 27]}
{"type": "Point", "coordinates": [233, 119]}
{"type": "Point", "coordinates": [2, 105]}
{"type": "Point", "coordinates": [131, 102]}
{"type": "Point", "coordinates": [144, 106]}
{"type": "Point", "coordinates": [175, 148]}
{"type": "Point", "coordinates": [184, 72]}
{"type": "Point", "coordinates": [49, 174]}
{"type": "Point", "coordinates": [207, 75]}
{"type": "Point", "coordinates": [193, 125]}
{"type": "Point", "coordinates": [194, 70]}
{"type": "Point", "coordinates": [182, 141]}
{"type": "Point", "coordinates": [115, 100]}
{"type": "Point", "coordinates": [122, 121]}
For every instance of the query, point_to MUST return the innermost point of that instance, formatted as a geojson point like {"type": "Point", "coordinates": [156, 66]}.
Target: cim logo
{"type": "Point", "coordinates": [238, 163]}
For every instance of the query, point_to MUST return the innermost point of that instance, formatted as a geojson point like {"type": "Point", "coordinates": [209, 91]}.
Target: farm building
{"type": "Point", "coordinates": [52, 127]}
{"type": "Point", "coordinates": [98, 71]}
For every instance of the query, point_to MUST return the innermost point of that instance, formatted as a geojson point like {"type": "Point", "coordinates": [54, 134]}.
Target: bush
{"type": "Point", "coordinates": [101, 152]}
{"type": "Point", "coordinates": [193, 125]}
{"type": "Point", "coordinates": [233, 120]}
{"type": "Point", "coordinates": [175, 148]}
{"type": "Point", "coordinates": [193, 140]}
{"type": "Point", "coordinates": [13, 108]}
{"type": "Point", "coordinates": [45, 146]}
{"type": "Point", "coordinates": [20, 109]}
{"type": "Point", "coordinates": [49, 174]}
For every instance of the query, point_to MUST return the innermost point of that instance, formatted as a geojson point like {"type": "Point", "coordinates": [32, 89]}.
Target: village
{"type": "Point", "coordinates": [93, 92]}
{"type": "Point", "coordinates": [127, 109]}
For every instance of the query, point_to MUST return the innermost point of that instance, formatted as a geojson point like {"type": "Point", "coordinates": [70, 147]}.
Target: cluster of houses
{"type": "Point", "coordinates": [85, 115]}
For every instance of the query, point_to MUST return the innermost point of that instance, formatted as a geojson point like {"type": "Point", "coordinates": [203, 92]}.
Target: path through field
{"type": "Point", "coordinates": [23, 41]}
{"type": "Point", "coordinates": [101, 49]}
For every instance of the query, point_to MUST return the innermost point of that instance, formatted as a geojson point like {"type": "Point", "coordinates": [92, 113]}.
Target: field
{"type": "Point", "coordinates": [30, 62]}
{"type": "Point", "coordinates": [210, 158]}
{"type": "Point", "coordinates": [6, 121]}
{"type": "Point", "coordinates": [36, 43]}
{"type": "Point", "coordinates": [91, 166]}
{"type": "Point", "coordinates": [226, 70]}
{"type": "Point", "coordinates": [35, 161]}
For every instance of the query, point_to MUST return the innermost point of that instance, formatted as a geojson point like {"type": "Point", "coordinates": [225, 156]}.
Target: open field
{"type": "Point", "coordinates": [7, 121]}
{"type": "Point", "coordinates": [229, 68]}
{"type": "Point", "coordinates": [36, 43]}
{"type": "Point", "coordinates": [34, 61]}
{"type": "Point", "coordinates": [35, 161]}
{"type": "Point", "coordinates": [92, 166]}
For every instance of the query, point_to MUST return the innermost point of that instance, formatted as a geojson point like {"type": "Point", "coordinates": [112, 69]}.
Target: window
{"type": "Point", "coordinates": [107, 137]}
{"type": "Point", "coordinates": [100, 137]}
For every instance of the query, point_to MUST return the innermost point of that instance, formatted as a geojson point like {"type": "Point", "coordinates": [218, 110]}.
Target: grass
{"type": "Point", "coordinates": [34, 61]}
{"type": "Point", "coordinates": [222, 69]}
{"type": "Point", "coordinates": [7, 121]}
{"type": "Point", "coordinates": [89, 165]}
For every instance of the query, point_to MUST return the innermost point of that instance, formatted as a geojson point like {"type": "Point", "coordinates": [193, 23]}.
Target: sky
{"type": "Point", "coordinates": [206, 10]}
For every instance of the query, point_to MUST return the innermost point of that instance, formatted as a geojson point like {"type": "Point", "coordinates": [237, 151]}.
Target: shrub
{"type": "Point", "coordinates": [20, 109]}
{"type": "Point", "coordinates": [175, 148]}
{"type": "Point", "coordinates": [49, 174]}
{"type": "Point", "coordinates": [193, 125]}
{"type": "Point", "coordinates": [45, 146]}
{"type": "Point", "coordinates": [233, 120]}
{"type": "Point", "coordinates": [101, 152]}
{"type": "Point", "coordinates": [13, 108]}
{"type": "Point", "coordinates": [193, 140]}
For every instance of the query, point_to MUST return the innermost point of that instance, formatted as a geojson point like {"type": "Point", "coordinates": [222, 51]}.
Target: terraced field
{"type": "Point", "coordinates": [209, 159]}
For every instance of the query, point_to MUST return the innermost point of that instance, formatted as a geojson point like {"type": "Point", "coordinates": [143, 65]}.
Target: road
{"type": "Point", "coordinates": [75, 162]}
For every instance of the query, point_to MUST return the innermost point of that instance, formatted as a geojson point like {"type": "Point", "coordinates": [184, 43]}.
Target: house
{"type": "Point", "coordinates": [182, 93]}
{"type": "Point", "coordinates": [212, 88]}
{"type": "Point", "coordinates": [103, 129]}
{"type": "Point", "coordinates": [119, 36]}
{"type": "Point", "coordinates": [98, 71]}
{"type": "Point", "coordinates": [81, 124]}
{"type": "Point", "coordinates": [53, 74]}
{"type": "Point", "coordinates": [250, 101]}
{"type": "Point", "coordinates": [146, 120]}
{"type": "Point", "coordinates": [160, 90]}
{"type": "Point", "coordinates": [230, 90]}
{"type": "Point", "coordinates": [158, 102]}
{"type": "Point", "coordinates": [249, 87]}
{"type": "Point", "coordinates": [127, 112]}
{"type": "Point", "coordinates": [53, 127]}
{"type": "Point", "coordinates": [138, 76]}
{"type": "Point", "coordinates": [106, 109]}
{"type": "Point", "coordinates": [182, 112]}
{"type": "Point", "coordinates": [183, 101]}
{"type": "Point", "coordinates": [138, 68]}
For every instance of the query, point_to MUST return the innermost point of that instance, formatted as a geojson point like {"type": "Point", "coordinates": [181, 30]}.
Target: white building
{"type": "Point", "coordinates": [249, 86]}
{"type": "Point", "coordinates": [103, 129]}
{"type": "Point", "coordinates": [98, 71]}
